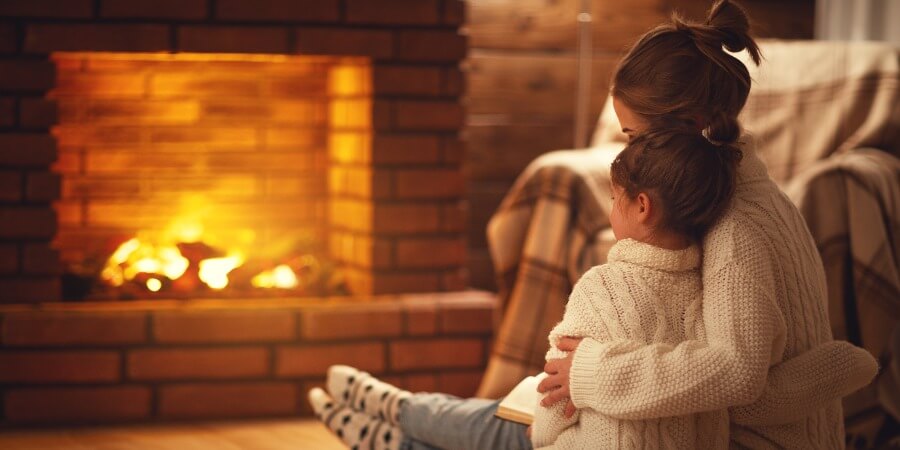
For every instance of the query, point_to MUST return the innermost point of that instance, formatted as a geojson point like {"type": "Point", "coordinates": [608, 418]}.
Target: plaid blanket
{"type": "Point", "coordinates": [851, 203]}
{"type": "Point", "coordinates": [813, 99]}
{"type": "Point", "coordinates": [810, 100]}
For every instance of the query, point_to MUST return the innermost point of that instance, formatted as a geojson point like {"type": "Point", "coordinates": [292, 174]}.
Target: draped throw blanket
{"type": "Point", "coordinates": [814, 99]}
{"type": "Point", "coordinates": [851, 203]}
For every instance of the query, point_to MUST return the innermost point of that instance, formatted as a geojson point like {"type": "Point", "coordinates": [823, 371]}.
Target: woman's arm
{"type": "Point", "coordinates": [551, 423]}
{"type": "Point", "coordinates": [630, 380]}
{"type": "Point", "coordinates": [797, 387]}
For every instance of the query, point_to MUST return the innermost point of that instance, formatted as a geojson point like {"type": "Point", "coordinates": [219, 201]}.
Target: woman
{"type": "Point", "coordinates": [764, 295]}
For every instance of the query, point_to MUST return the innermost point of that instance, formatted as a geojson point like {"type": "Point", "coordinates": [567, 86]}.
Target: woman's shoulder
{"type": "Point", "coordinates": [733, 239]}
{"type": "Point", "coordinates": [754, 231]}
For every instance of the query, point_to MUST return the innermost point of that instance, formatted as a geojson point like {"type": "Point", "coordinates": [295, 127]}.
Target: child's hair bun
{"type": "Point", "coordinates": [722, 129]}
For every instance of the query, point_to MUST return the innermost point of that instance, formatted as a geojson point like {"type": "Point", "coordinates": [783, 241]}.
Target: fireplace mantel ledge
{"type": "Point", "coordinates": [472, 298]}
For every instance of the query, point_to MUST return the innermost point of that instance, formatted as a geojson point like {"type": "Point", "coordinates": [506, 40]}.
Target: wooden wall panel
{"type": "Point", "coordinates": [550, 25]}
{"type": "Point", "coordinates": [499, 152]}
{"type": "Point", "coordinates": [522, 74]}
{"type": "Point", "coordinates": [783, 19]}
{"type": "Point", "coordinates": [528, 87]}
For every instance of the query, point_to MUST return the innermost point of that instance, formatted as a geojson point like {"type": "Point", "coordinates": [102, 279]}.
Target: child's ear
{"type": "Point", "coordinates": [644, 208]}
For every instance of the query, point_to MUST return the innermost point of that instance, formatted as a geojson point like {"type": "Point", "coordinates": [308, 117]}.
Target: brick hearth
{"type": "Point", "coordinates": [168, 360]}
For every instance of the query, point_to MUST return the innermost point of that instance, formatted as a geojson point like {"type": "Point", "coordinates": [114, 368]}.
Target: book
{"type": "Point", "coordinates": [521, 402]}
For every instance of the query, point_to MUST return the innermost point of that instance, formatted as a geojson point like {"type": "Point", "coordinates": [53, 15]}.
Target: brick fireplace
{"type": "Point", "coordinates": [388, 204]}
{"type": "Point", "coordinates": [331, 122]}
{"type": "Point", "coordinates": [243, 154]}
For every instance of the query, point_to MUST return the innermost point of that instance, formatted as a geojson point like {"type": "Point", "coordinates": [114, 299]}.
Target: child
{"type": "Point", "coordinates": [669, 188]}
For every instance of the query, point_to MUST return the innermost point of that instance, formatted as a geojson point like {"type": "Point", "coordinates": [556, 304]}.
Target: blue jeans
{"type": "Point", "coordinates": [440, 421]}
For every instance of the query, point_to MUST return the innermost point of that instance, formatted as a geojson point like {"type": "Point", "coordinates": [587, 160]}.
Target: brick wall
{"type": "Point", "coordinates": [161, 360]}
{"type": "Point", "coordinates": [403, 186]}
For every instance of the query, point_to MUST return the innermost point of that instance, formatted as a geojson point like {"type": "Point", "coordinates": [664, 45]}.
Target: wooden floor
{"type": "Point", "coordinates": [262, 435]}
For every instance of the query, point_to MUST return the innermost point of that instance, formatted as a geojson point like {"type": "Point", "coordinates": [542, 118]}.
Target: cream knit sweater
{"type": "Point", "coordinates": [644, 294]}
{"type": "Point", "coordinates": [764, 302]}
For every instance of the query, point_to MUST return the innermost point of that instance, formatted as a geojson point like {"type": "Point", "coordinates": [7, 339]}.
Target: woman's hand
{"type": "Point", "coordinates": [557, 381]}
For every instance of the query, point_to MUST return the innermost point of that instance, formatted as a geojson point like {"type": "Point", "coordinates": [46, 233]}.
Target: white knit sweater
{"type": "Point", "coordinates": [764, 301]}
{"type": "Point", "coordinates": [644, 294]}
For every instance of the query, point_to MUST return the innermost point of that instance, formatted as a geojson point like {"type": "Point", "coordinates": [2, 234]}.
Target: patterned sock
{"type": "Point", "coordinates": [365, 393]}
{"type": "Point", "coordinates": [358, 430]}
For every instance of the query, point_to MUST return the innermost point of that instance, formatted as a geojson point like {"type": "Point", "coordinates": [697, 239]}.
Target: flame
{"type": "Point", "coordinates": [214, 271]}
{"type": "Point", "coordinates": [280, 277]}
{"type": "Point", "coordinates": [125, 250]}
{"type": "Point", "coordinates": [138, 256]}
{"type": "Point", "coordinates": [113, 275]}
{"type": "Point", "coordinates": [187, 231]}
{"type": "Point", "coordinates": [142, 256]}
{"type": "Point", "coordinates": [173, 264]}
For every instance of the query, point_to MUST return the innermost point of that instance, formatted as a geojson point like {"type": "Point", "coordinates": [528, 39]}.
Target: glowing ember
{"type": "Point", "coordinates": [214, 271]}
{"type": "Point", "coordinates": [154, 285]}
{"type": "Point", "coordinates": [280, 277]}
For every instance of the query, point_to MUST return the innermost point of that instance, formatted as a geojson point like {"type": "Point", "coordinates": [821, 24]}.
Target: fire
{"type": "Point", "coordinates": [214, 271]}
{"type": "Point", "coordinates": [280, 277]}
{"type": "Point", "coordinates": [136, 256]}
{"type": "Point", "coordinates": [149, 263]}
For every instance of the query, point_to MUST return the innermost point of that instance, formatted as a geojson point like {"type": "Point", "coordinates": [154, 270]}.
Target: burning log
{"type": "Point", "coordinates": [140, 269]}
{"type": "Point", "coordinates": [198, 251]}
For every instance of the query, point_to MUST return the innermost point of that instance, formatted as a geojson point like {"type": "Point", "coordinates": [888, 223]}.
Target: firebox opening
{"type": "Point", "coordinates": [202, 175]}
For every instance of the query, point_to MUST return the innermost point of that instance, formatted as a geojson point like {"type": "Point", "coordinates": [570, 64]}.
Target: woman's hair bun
{"type": "Point", "coordinates": [682, 72]}
{"type": "Point", "coordinates": [726, 25]}
{"type": "Point", "coordinates": [733, 26]}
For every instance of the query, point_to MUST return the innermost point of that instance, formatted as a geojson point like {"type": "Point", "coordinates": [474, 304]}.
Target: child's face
{"type": "Point", "coordinates": [624, 217]}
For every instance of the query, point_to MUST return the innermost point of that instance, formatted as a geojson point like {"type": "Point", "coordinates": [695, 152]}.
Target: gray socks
{"type": "Point", "coordinates": [357, 429]}
{"type": "Point", "coordinates": [365, 393]}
